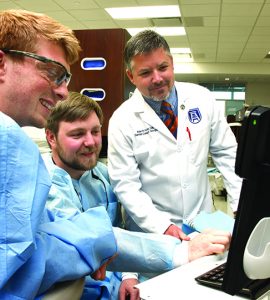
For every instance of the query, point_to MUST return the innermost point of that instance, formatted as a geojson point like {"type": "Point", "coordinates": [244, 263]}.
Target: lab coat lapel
{"type": "Point", "coordinates": [183, 104]}
{"type": "Point", "coordinates": [148, 115]}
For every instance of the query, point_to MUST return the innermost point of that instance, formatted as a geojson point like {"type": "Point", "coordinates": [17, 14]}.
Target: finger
{"type": "Point", "coordinates": [175, 231]}
{"type": "Point", "coordinates": [135, 294]}
{"type": "Point", "coordinates": [97, 275]}
{"type": "Point", "coordinates": [183, 236]}
{"type": "Point", "coordinates": [121, 294]}
{"type": "Point", "coordinates": [219, 239]}
{"type": "Point", "coordinates": [217, 232]}
{"type": "Point", "coordinates": [217, 248]}
{"type": "Point", "coordinates": [100, 273]}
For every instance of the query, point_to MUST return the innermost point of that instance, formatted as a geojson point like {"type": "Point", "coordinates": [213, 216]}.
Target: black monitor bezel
{"type": "Point", "coordinates": [252, 164]}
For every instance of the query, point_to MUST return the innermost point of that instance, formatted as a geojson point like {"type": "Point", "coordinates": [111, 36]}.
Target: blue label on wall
{"type": "Point", "coordinates": [93, 63]}
{"type": "Point", "coordinates": [96, 94]}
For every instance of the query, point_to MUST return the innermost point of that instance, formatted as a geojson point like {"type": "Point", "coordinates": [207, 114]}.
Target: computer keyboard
{"type": "Point", "coordinates": [214, 278]}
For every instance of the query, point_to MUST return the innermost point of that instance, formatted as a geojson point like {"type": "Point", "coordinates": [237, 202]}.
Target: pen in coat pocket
{"type": "Point", "coordinates": [189, 134]}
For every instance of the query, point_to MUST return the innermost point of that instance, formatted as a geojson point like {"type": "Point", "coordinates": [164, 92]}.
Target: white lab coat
{"type": "Point", "coordinates": [161, 180]}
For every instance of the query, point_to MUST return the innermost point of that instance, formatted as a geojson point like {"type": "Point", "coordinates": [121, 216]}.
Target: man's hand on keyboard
{"type": "Point", "coordinates": [207, 243]}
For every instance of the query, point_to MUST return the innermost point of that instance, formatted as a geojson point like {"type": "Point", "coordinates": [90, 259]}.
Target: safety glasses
{"type": "Point", "coordinates": [53, 70]}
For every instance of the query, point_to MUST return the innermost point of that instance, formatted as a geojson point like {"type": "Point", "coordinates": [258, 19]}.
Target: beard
{"type": "Point", "coordinates": [78, 161]}
{"type": "Point", "coordinates": [162, 97]}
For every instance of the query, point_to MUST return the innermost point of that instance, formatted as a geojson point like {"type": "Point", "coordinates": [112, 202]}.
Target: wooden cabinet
{"type": "Point", "coordinates": [108, 44]}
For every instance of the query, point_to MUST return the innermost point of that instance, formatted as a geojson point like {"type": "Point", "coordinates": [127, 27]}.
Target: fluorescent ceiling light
{"type": "Point", "coordinates": [142, 12]}
{"type": "Point", "coordinates": [164, 31]}
{"type": "Point", "coordinates": [180, 50]}
{"type": "Point", "coordinates": [181, 55]}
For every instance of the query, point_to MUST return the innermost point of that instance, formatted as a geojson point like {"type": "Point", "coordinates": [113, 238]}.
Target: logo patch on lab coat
{"type": "Point", "coordinates": [194, 115]}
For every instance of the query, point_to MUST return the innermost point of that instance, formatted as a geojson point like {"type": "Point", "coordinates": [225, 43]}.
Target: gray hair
{"type": "Point", "coordinates": [144, 42]}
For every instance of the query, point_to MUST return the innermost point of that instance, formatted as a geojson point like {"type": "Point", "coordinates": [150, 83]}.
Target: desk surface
{"type": "Point", "coordinates": [180, 283]}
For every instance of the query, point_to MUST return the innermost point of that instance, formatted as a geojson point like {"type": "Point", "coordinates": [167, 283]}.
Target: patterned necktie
{"type": "Point", "coordinates": [171, 120]}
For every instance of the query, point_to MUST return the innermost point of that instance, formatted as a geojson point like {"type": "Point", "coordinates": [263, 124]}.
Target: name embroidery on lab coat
{"type": "Point", "coordinates": [194, 115]}
{"type": "Point", "coordinates": [145, 131]}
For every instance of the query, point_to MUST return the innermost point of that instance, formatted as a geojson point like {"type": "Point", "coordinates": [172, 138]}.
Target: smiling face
{"type": "Point", "coordinates": [27, 93]}
{"type": "Point", "coordinates": [77, 145]}
{"type": "Point", "coordinates": [152, 73]}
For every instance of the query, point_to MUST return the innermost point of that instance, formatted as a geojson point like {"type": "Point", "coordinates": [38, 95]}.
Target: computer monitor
{"type": "Point", "coordinates": [253, 165]}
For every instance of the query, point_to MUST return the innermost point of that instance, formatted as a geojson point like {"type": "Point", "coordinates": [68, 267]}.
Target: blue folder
{"type": "Point", "coordinates": [216, 220]}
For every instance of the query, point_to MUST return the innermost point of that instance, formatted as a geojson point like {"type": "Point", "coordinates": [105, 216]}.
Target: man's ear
{"type": "Point", "coordinates": [50, 137]}
{"type": "Point", "coordinates": [3, 64]}
{"type": "Point", "coordinates": [129, 75]}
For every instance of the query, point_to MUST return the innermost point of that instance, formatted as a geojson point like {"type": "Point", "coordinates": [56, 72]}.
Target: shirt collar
{"type": "Point", "coordinates": [156, 105]}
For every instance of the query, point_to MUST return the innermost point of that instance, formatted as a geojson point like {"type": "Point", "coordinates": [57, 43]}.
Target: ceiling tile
{"type": "Point", "coordinates": [261, 31]}
{"type": "Point", "coordinates": [201, 30]}
{"type": "Point", "coordinates": [192, 2]}
{"type": "Point", "coordinates": [231, 39]}
{"type": "Point", "coordinates": [263, 21]}
{"type": "Point", "coordinates": [40, 5]}
{"type": "Point", "coordinates": [193, 21]}
{"type": "Point", "coordinates": [210, 10]}
{"type": "Point", "coordinates": [76, 25]}
{"type": "Point", "coordinates": [258, 45]}
{"type": "Point", "coordinates": [211, 21]}
{"type": "Point", "coordinates": [204, 38]}
{"type": "Point", "coordinates": [81, 4]}
{"type": "Point", "coordinates": [102, 24]}
{"type": "Point", "coordinates": [157, 2]}
{"type": "Point", "coordinates": [203, 45]}
{"type": "Point", "coordinates": [255, 52]}
{"type": "Point", "coordinates": [251, 58]}
{"type": "Point", "coordinates": [265, 11]}
{"type": "Point", "coordinates": [8, 5]}
{"type": "Point", "coordinates": [167, 22]}
{"type": "Point", "coordinates": [242, 1]}
{"type": "Point", "coordinates": [228, 57]}
{"type": "Point", "coordinates": [116, 3]}
{"type": "Point", "coordinates": [62, 16]}
{"type": "Point", "coordinates": [228, 46]}
{"type": "Point", "coordinates": [237, 21]}
{"type": "Point", "coordinates": [232, 10]}
{"type": "Point", "coordinates": [240, 30]}
{"type": "Point", "coordinates": [134, 23]}
{"type": "Point", "coordinates": [177, 41]}
{"type": "Point", "coordinates": [259, 39]}
{"type": "Point", "coordinates": [90, 14]}
{"type": "Point", "coordinates": [229, 51]}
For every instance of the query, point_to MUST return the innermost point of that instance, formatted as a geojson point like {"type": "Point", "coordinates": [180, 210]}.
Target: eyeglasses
{"type": "Point", "coordinates": [53, 70]}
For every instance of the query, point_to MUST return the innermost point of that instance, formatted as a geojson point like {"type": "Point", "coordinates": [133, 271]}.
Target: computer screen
{"type": "Point", "coordinates": [253, 165]}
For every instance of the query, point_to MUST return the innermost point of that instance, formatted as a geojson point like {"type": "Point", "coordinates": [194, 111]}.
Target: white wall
{"type": "Point", "coordinates": [38, 136]}
{"type": "Point", "coordinates": [258, 94]}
